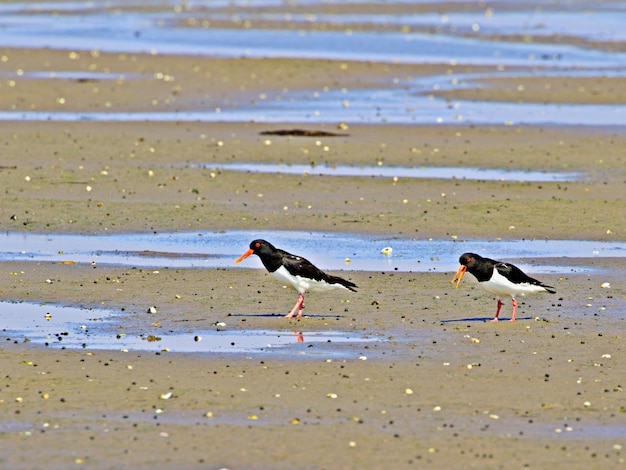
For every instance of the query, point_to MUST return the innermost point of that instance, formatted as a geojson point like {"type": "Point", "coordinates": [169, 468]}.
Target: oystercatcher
{"type": "Point", "coordinates": [296, 271]}
{"type": "Point", "coordinates": [500, 279]}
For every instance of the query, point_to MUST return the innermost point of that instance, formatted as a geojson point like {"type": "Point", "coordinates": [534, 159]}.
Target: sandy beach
{"type": "Point", "coordinates": [432, 384]}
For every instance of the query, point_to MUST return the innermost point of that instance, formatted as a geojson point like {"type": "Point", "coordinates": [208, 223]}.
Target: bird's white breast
{"type": "Point", "coordinates": [501, 286]}
{"type": "Point", "coordinates": [302, 284]}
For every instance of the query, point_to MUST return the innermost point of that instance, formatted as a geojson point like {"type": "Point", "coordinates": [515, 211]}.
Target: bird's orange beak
{"type": "Point", "coordinates": [459, 275]}
{"type": "Point", "coordinates": [245, 255]}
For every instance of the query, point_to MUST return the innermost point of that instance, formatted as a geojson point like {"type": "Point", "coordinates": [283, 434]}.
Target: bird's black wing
{"type": "Point", "coordinates": [299, 266]}
{"type": "Point", "coordinates": [517, 276]}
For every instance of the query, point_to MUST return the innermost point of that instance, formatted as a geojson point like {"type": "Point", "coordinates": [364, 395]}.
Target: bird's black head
{"type": "Point", "coordinates": [261, 246]}
{"type": "Point", "coordinates": [468, 259]}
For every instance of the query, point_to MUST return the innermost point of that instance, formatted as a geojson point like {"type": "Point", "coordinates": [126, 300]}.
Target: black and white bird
{"type": "Point", "coordinates": [501, 279]}
{"type": "Point", "coordinates": [296, 271]}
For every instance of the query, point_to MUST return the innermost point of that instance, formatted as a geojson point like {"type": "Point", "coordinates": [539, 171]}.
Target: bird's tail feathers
{"type": "Point", "coordinates": [549, 289]}
{"type": "Point", "coordinates": [339, 280]}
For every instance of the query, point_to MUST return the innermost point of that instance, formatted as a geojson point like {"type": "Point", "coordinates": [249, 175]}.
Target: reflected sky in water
{"type": "Point", "coordinates": [57, 326]}
{"type": "Point", "coordinates": [453, 37]}
{"type": "Point", "coordinates": [330, 251]}
{"type": "Point", "coordinates": [482, 174]}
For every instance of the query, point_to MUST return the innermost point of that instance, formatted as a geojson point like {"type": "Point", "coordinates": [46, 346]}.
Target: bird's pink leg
{"type": "Point", "coordinates": [498, 310]}
{"type": "Point", "coordinates": [514, 309]}
{"type": "Point", "coordinates": [297, 308]}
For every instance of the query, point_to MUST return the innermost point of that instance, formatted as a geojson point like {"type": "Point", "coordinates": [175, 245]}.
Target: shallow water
{"type": "Point", "coordinates": [369, 107]}
{"type": "Point", "coordinates": [400, 172]}
{"type": "Point", "coordinates": [75, 328]}
{"type": "Point", "coordinates": [456, 37]}
{"type": "Point", "coordinates": [461, 37]}
{"type": "Point", "coordinates": [331, 251]}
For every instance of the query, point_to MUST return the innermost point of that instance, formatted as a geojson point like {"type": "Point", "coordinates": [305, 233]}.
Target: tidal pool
{"type": "Point", "coordinates": [80, 328]}
{"type": "Point", "coordinates": [330, 251]}
{"type": "Point", "coordinates": [495, 174]}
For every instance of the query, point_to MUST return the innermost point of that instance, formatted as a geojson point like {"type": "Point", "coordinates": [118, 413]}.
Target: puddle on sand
{"type": "Point", "coordinates": [371, 106]}
{"type": "Point", "coordinates": [75, 328]}
{"type": "Point", "coordinates": [331, 251]}
{"type": "Point", "coordinates": [229, 341]}
{"type": "Point", "coordinates": [495, 174]}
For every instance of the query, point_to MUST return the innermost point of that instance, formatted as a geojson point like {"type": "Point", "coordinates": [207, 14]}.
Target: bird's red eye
{"type": "Point", "coordinates": [468, 259]}
{"type": "Point", "coordinates": [257, 244]}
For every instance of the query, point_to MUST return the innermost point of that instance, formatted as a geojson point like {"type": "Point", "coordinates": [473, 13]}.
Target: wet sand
{"type": "Point", "coordinates": [442, 388]}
